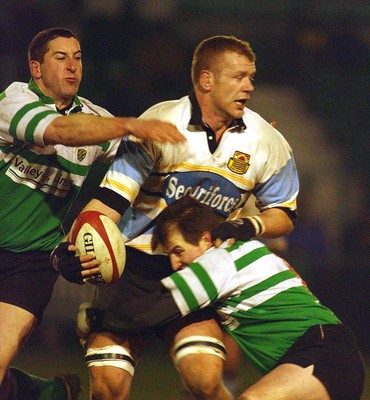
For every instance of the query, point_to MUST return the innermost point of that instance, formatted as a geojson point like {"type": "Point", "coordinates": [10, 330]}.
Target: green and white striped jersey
{"type": "Point", "coordinates": [262, 301]}
{"type": "Point", "coordinates": [39, 183]}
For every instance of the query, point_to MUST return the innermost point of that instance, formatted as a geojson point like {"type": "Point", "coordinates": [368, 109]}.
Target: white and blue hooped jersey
{"type": "Point", "coordinates": [251, 157]}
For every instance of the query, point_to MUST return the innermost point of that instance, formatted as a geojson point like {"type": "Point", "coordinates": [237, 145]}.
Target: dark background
{"type": "Point", "coordinates": [312, 57]}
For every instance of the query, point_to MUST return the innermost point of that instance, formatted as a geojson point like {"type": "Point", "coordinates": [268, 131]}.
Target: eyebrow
{"type": "Point", "coordinates": [174, 248]}
{"type": "Point", "coordinates": [65, 53]}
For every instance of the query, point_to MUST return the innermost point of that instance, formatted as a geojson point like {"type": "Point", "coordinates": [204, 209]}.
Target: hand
{"type": "Point", "coordinates": [155, 130]}
{"type": "Point", "coordinates": [74, 269]}
{"type": "Point", "coordinates": [235, 229]}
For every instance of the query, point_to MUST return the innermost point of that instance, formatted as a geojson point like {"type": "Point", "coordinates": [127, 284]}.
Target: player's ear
{"type": "Point", "coordinates": [205, 80]}
{"type": "Point", "coordinates": [35, 69]}
{"type": "Point", "coordinates": [207, 238]}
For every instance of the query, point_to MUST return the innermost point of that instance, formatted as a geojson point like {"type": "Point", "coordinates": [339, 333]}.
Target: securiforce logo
{"type": "Point", "coordinates": [210, 189]}
{"type": "Point", "coordinates": [39, 177]}
{"type": "Point", "coordinates": [239, 163]}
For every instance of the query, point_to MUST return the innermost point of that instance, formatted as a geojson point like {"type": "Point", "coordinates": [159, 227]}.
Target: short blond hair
{"type": "Point", "coordinates": [210, 49]}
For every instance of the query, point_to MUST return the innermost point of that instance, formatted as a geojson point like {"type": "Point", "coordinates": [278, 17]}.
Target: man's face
{"type": "Point", "coordinates": [232, 85]}
{"type": "Point", "coordinates": [181, 252]}
{"type": "Point", "coordinates": [59, 75]}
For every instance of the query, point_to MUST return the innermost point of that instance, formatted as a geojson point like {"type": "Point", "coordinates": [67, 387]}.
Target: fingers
{"type": "Point", "coordinates": [218, 242]}
{"type": "Point", "coordinates": [167, 133]}
{"type": "Point", "coordinates": [86, 258]}
{"type": "Point", "coordinates": [90, 269]}
{"type": "Point", "coordinates": [157, 130]}
{"type": "Point", "coordinates": [88, 274]}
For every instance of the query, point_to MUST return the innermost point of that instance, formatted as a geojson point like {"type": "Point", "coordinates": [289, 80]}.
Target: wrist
{"type": "Point", "coordinates": [258, 224]}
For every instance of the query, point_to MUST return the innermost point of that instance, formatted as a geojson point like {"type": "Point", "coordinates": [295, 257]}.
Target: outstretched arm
{"type": "Point", "coordinates": [83, 129]}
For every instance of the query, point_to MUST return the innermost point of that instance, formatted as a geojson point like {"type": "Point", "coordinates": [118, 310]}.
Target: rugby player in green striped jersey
{"type": "Point", "coordinates": [49, 140]}
{"type": "Point", "coordinates": [299, 346]}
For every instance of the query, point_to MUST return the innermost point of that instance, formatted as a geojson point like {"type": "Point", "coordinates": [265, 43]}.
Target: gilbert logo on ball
{"type": "Point", "coordinates": [95, 233]}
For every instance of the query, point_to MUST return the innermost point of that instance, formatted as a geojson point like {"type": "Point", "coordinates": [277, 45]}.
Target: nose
{"type": "Point", "coordinates": [72, 64]}
{"type": "Point", "coordinates": [175, 262]}
{"type": "Point", "coordinates": [249, 85]}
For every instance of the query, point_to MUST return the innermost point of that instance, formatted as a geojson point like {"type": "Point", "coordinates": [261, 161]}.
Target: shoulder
{"type": "Point", "coordinates": [19, 90]}
{"type": "Point", "coordinates": [175, 111]}
{"type": "Point", "coordinates": [216, 258]}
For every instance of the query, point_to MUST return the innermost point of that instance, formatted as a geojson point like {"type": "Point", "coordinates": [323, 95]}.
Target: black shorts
{"type": "Point", "coordinates": [142, 275]}
{"type": "Point", "coordinates": [27, 280]}
{"type": "Point", "coordinates": [338, 364]}
{"type": "Point", "coordinates": [114, 306]}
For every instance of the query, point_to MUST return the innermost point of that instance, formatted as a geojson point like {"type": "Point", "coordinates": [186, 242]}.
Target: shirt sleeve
{"type": "Point", "coordinates": [129, 170]}
{"type": "Point", "coordinates": [24, 118]}
{"type": "Point", "coordinates": [209, 278]}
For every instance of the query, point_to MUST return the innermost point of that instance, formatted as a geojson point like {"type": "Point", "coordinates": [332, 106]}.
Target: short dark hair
{"type": "Point", "coordinates": [207, 50]}
{"type": "Point", "coordinates": [190, 217]}
{"type": "Point", "coordinates": [39, 45]}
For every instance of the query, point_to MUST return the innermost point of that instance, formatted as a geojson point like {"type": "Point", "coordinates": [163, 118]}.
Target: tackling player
{"type": "Point", "coordinates": [299, 345]}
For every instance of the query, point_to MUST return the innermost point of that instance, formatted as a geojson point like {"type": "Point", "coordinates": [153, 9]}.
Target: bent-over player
{"type": "Point", "coordinates": [299, 345]}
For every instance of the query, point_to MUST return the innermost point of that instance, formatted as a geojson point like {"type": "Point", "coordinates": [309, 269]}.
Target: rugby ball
{"type": "Point", "coordinates": [94, 233]}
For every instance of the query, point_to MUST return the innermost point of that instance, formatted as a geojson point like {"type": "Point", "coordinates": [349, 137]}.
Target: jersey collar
{"type": "Point", "coordinates": [75, 107]}
{"type": "Point", "coordinates": [196, 120]}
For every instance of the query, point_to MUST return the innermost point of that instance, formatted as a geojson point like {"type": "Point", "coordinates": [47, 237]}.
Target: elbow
{"type": "Point", "coordinates": [56, 133]}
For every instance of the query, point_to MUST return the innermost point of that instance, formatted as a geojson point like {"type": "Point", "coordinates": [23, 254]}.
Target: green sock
{"type": "Point", "coordinates": [32, 387]}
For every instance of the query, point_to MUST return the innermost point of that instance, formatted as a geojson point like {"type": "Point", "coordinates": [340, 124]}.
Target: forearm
{"type": "Point", "coordinates": [276, 223]}
{"type": "Point", "coordinates": [270, 224]}
{"type": "Point", "coordinates": [83, 129]}
{"type": "Point", "coordinates": [148, 312]}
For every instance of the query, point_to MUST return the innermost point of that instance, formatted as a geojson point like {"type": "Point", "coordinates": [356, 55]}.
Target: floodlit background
{"type": "Point", "coordinates": [312, 78]}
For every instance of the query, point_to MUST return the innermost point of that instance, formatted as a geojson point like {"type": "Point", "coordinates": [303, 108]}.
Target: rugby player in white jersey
{"type": "Point", "coordinates": [230, 153]}
{"type": "Point", "coordinates": [49, 139]}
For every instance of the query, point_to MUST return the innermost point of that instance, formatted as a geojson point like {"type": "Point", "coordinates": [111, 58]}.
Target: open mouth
{"type": "Point", "coordinates": [241, 102]}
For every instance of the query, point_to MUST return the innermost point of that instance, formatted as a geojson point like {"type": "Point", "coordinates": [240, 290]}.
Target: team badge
{"type": "Point", "coordinates": [81, 154]}
{"type": "Point", "coordinates": [239, 163]}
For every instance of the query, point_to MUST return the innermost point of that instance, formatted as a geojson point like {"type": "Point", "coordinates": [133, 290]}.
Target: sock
{"type": "Point", "coordinates": [30, 387]}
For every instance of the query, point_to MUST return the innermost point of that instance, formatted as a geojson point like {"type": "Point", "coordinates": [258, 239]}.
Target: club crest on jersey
{"type": "Point", "coordinates": [239, 163]}
{"type": "Point", "coordinates": [81, 154]}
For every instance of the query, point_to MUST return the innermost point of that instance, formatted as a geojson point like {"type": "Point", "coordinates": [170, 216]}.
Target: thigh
{"type": "Point", "coordinates": [333, 351]}
{"type": "Point", "coordinates": [15, 326]}
{"type": "Point", "coordinates": [288, 382]}
{"type": "Point", "coordinates": [27, 280]}
{"type": "Point", "coordinates": [195, 344]}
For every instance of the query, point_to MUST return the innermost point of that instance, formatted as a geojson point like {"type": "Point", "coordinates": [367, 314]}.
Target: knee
{"type": "Point", "coordinates": [202, 375]}
{"type": "Point", "coordinates": [200, 360]}
{"type": "Point", "coordinates": [203, 385]}
{"type": "Point", "coordinates": [109, 384]}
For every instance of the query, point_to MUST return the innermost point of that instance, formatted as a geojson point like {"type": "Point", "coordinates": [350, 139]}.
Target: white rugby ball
{"type": "Point", "coordinates": [94, 233]}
